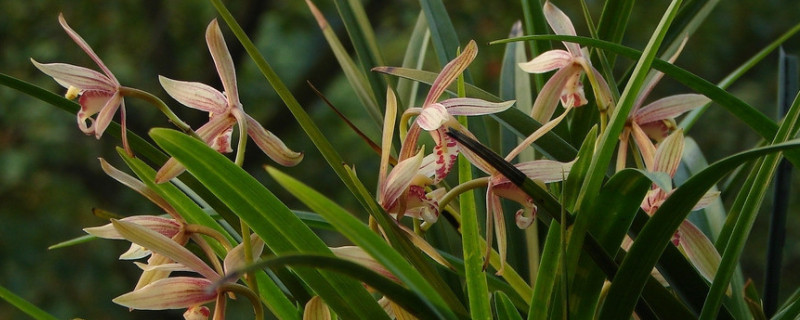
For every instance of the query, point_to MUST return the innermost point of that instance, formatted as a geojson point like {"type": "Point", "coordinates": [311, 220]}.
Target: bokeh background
{"type": "Point", "coordinates": [49, 175]}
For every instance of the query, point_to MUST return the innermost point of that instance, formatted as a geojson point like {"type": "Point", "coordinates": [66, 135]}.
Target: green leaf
{"type": "Point", "coordinates": [790, 309]}
{"type": "Point", "coordinates": [24, 305]}
{"type": "Point", "coordinates": [189, 209]}
{"type": "Point", "coordinates": [547, 204]}
{"type": "Point", "coordinates": [443, 34]}
{"type": "Point", "coordinates": [355, 76]}
{"type": "Point", "coordinates": [546, 277]}
{"type": "Point", "coordinates": [477, 291]}
{"type": "Point", "coordinates": [579, 170]}
{"type": "Point", "coordinates": [361, 235]}
{"type": "Point", "coordinates": [609, 216]}
{"type": "Point", "coordinates": [363, 38]}
{"type": "Point", "coordinates": [414, 58]}
{"type": "Point", "coordinates": [608, 139]}
{"type": "Point", "coordinates": [504, 308]}
{"type": "Point", "coordinates": [741, 230]}
{"type": "Point", "coordinates": [72, 242]}
{"type": "Point", "coordinates": [658, 231]}
{"type": "Point", "coordinates": [408, 299]}
{"type": "Point", "coordinates": [280, 229]}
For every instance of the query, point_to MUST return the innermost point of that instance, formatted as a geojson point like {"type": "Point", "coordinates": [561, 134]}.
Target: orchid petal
{"type": "Point", "coordinates": [561, 25]}
{"type": "Point", "coordinates": [171, 169]}
{"type": "Point", "coordinates": [545, 170]}
{"type": "Point", "coordinates": [135, 252]}
{"type": "Point", "coordinates": [420, 205]}
{"type": "Point", "coordinates": [135, 184]}
{"type": "Point", "coordinates": [197, 313]}
{"type": "Point", "coordinates": [272, 145]}
{"type": "Point", "coordinates": [171, 267]}
{"type": "Point", "coordinates": [706, 200]}
{"type": "Point", "coordinates": [92, 102]}
{"type": "Point", "coordinates": [446, 151]}
{"type": "Point", "coordinates": [386, 137]}
{"type": "Point", "coordinates": [670, 107]}
{"type": "Point", "coordinates": [474, 107]}
{"type": "Point", "coordinates": [235, 260]}
{"type": "Point", "coordinates": [547, 61]}
{"type": "Point", "coordinates": [223, 61]}
{"type": "Point", "coordinates": [433, 117]}
{"type": "Point", "coordinates": [151, 276]}
{"type": "Point", "coordinates": [645, 146]}
{"type": "Point", "coordinates": [358, 255]}
{"type": "Point", "coordinates": [316, 309]}
{"type": "Point", "coordinates": [170, 293]}
{"type": "Point", "coordinates": [195, 95]}
{"type": "Point", "coordinates": [165, 226]}
{"type": "Point", "coordinates": [545, 104]}
{"type": "Point", "coordinates": [160, 244]}
{"type": "Point", "coordinates": [450, 72]}
{"type": "Point", "coordinates": [495, 210]}
{"type": "Point", "coordinates": [699, 249]}
{"type": "Point", "coordinates": [400, 179]}
{"type": "Point", "coordinates": [86, 48]}
{"type": "Point", "coordinates": [572, 94]}
{"type": "Point", "coordinates": [107, 114]}
{"type": "Point", "coordinates": [83, 78]}
{"type": "Point", "coordinates": [668, 155]}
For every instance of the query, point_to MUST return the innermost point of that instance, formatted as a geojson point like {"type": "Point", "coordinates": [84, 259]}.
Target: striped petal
{"type": "Point", "coordinates": [195, 95]}
{"type": "Point", "coordinates": [223, 61]}
{"type": "Point", "coordinates": [561, 25]}
{"type": "Point", "coordinates": [169, 293]}
{"type": "Point", "coordinates": [271, 145]}
{"type": "Point", "coordinates": [450, 72]}
{"type": "Point", "coordinates": [474, 107]}
{"type": "Point", "coordinates": [432, 117]}
{"type": "Point", "coordinates": [670, 107]}
{"type": "Point", "coordinates": [547, 61]}
{"type": "Point", "coordinates": [399, 180]}
{"type": "Point", "coordinates": [86, 48]}
{"type": "Point", "coordinates": [165, 226]}
{"type": "Point", "coordinates": [160, 244]}
{"type": "Point", "coordinates": [668, 155]}
{"type": "Point", "coordinates": [70, 75]}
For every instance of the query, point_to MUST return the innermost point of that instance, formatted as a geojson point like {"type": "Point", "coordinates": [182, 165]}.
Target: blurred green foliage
{"type": "Point", "coordinates": [50, 178]}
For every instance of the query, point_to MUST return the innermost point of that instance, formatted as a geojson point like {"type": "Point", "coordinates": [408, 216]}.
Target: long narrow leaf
{"type": "Point", "coordinates": [24, 305]}
{"type": "Point", "coordinates": [280, 229]}
{"type": "Point", "coordinates": [408, 299]}
{"type": "Point", "coordinates": [733, 250]}
{"type": "Point", "coordinates": [656, 234]}
{"type": "Point", "coordinates": [362, 236]}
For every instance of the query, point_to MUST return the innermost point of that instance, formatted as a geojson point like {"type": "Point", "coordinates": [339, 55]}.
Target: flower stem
{"type": "Point", "coordinates": [150, 98]}
{"type": "Point", "coordinates": [249, 294]}
{"type": "Point", "coordinates": [461, 188]}
{"type": "Point", "coordinates": [201, 229]}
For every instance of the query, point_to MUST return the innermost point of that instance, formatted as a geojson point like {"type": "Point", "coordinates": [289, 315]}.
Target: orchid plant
{"type": "Point", "coordinates": [598, 235]}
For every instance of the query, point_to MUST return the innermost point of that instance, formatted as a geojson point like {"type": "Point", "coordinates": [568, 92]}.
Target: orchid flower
{"type": "Point", "coordinates": [434, 116]}
{"type": "Point", "coordinates": [656, 120]}
{"type": "Point", "coordinates": [543, 171]}
{"type": "Point", "coordinates": [570, 63]}
{"type": "Point", "coordinates": [99, 93]}
{"type": "Point", "coordinates": [698, 248]}
{"type": "Point", "coordinates": [409, 177]}
{"type": "Point", "coordinates": [182, 292]}
{"type": "Point", "coordinates": [224, 108]}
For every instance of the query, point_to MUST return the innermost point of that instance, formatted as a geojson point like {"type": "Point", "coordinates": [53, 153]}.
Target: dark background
{"type": "Point", "coordinates": [50, 178]}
